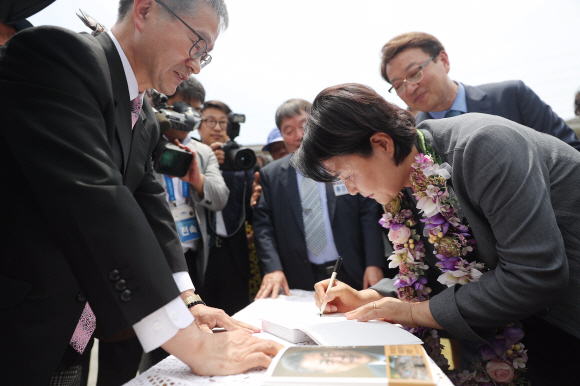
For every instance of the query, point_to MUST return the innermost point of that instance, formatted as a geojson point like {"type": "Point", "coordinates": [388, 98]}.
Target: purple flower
{"type": "Point", "coordinates": [435, 221]}
{"type": "Point", "coordinates": [512, 335]}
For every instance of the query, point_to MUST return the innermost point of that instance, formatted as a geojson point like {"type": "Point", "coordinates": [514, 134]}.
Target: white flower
{"type": "Point", "coordinates": [448, 279]}
{"type": "Point", "coordinates": [429, 206]}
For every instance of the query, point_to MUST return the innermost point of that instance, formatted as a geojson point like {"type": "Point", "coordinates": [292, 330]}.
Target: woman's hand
{"type": "Point", "coordinates": [395, 311]}
{"type": "Point", "coordinates": [341, 297]}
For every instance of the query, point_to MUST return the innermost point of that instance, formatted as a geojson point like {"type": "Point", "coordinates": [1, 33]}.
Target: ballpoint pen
{"type": "Point", "coordinates": [336, 269]}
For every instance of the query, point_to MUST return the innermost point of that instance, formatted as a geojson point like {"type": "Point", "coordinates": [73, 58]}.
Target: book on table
{"type": "Point", "coordinates": [395, 365]}
{"type": "Point", "coordinates": [335, 330]}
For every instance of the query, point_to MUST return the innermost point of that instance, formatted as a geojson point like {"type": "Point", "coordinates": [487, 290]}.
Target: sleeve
{"type": "Point", "coordinates": [215, 191]}
{"type": "Point", "coordinates": [386, 288]}
{"type": "Point", "coordinates": [62, 149]}
{"type": "Point", "coordinates": [539, 116]}
{"type": "Point", "coordinates": [372, 234]}
{"type": "Point", "coordinates": [512, 190]}
{"type": "Point", "coordinates": [264, 232]}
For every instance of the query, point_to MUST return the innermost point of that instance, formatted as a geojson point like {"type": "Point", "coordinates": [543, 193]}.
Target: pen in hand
{"type": "Point", "coordinates": [334, 272]}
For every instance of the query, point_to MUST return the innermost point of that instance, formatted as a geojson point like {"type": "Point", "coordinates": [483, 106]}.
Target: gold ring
{"type": "Point", "coordinates": [374, 306]}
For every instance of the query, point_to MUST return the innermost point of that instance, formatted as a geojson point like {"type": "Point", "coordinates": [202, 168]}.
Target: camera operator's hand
{"type": "Point", "coordinates": [256, 189]}
{"type": "Point", "coordinates": [271, 283]}
{"type": "Point", "coordinates": [194, 175]}
{"type": "Point", "coordinates": [219, 153]}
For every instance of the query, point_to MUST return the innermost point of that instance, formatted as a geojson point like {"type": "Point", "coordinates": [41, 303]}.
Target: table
{"type": "Point", "coordinates": [172, 372]}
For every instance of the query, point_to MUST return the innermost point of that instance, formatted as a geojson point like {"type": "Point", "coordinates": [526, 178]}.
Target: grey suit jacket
{"type": "Point", "coordinates": [519, 192]}
{"type": "Point", "coordinates": [215, 197]}
{"type": "Point", "coordinates": [517, 102]}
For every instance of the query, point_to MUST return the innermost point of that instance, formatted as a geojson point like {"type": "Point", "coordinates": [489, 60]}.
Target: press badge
{"type": "Point", "coordinates": [339, 188]}
{"type": "Point", "coordinates": [186, 223]}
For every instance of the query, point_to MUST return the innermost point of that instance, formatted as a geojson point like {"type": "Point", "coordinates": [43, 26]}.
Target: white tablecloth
{"type": "Point", "coordinates": [173, 372]}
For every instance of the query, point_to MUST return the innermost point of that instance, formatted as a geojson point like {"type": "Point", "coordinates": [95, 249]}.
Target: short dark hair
{"type": "Point", "coordinates": [192, 89]}
{"type": "Point", "coordinates": [181, 7]}
{"type": "Point", "coordinates": [342, 121]}
{"type": "Point", "coordinates": [428, 43]}
{"type": "Point", "coordinates": [290, 109]}
{"type": "Point", "coordinates": [216, 105]}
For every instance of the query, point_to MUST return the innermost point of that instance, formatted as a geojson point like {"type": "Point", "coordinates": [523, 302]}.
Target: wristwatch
{"type": "Point", "coordinates": [193, 300]}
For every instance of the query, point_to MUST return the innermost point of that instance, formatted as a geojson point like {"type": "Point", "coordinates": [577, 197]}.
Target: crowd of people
{"type": "Point", "coordinates": [97, 243]}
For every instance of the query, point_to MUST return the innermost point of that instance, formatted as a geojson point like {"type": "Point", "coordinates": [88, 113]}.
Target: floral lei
{"type": "Point", "coordinates": [504, 361]}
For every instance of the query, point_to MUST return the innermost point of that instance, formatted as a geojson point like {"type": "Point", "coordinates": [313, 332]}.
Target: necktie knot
{"type": "Point", "coordinates": [453, 113]}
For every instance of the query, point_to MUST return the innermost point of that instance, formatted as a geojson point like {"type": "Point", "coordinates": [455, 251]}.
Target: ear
{"type": "Point", "coordinates": [383, 143]}
{"type": "Point", "coordinates": [445, 60]}
{"type": "Point", "coordinates": [141, 13]}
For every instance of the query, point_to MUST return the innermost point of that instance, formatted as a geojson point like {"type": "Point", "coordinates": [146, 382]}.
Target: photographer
{"type": "Point", "coordinates": [228, 255]}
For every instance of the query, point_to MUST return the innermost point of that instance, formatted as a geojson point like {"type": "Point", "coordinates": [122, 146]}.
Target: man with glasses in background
{"type": "Point", "coordinates": [417, 66]}
{"type": "Point", "coordinates": [87, 235]}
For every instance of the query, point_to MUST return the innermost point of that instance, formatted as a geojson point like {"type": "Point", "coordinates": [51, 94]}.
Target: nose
{"type": "Point", "coordinates": [410, 88]}
{"type": "Point", "coordinates": [194, 65]}
{"type": "Point", "coordinates": [350, 187]}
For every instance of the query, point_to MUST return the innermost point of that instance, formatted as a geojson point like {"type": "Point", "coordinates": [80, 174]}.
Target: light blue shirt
{"type": "Point", "coordinates": [459, 104]}
{"type": "Point", "coordinates": [329, 253]}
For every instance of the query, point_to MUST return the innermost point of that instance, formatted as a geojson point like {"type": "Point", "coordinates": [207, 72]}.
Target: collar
{"type": "Point", "coordinates": [129, 74]}
{"type": "Point", "coordinates": [459, 104]}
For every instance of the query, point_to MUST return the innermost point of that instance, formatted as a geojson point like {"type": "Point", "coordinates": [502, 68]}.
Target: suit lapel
{"type": "Point", "coordinates": [290, 185]}
{"type": "Point", "coordinates": [120, 96]}
{"type": "Point", "coordinates": [477, 101]}
{"type": "Point", "coordinates": [330, 200]}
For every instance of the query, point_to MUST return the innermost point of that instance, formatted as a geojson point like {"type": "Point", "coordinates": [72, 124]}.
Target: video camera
{"type": "Point", "coordinates": [168, 158]}
{"type": "Point", "coordinates": [236, 157]}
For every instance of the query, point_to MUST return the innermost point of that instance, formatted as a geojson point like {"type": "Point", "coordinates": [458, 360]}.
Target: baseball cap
{"type": "Point", "coordinates": [274, 136]}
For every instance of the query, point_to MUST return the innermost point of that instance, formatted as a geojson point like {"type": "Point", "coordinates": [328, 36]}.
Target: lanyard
{"type": "Point", "coordinates": [171, 189]}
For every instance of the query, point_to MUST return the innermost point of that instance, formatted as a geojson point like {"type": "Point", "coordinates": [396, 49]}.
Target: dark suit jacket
{"type": "Point", "coordinates": [517, 102]}
{"type": "Point", "coordinates": [279, 229]}
{"type": "Point", "coordinates": [82, 214]}
{"type": "Point", "coordinates": [236, 209]}
{"type": "Point", "coordinates": [518, 191]}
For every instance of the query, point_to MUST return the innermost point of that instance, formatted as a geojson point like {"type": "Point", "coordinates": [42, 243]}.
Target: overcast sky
{"type": "Point", "coordinates": [276, 50]}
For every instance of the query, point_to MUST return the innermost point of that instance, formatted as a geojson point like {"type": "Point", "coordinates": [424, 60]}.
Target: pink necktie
{"type": "Point", "coordinates": [136, 105]}
{"type": "Point", "coordinates": [84, 331]}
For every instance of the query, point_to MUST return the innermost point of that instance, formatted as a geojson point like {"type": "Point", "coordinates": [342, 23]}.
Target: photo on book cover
{"type": "Point", "coordinates": [312, 362]}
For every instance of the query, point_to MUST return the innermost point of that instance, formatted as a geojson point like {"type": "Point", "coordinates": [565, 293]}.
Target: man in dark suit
{"type": "Point", "coordinates": [296, 251]}
{"type": "Point", "coordinates": [417, 67]}
{"type": "Point", "coordinates": [85, 230]}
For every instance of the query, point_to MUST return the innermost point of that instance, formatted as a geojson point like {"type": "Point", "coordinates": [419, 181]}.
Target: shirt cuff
{"type": "Point", "coordinates": [157, 328]}
{"type": "Point", "coordinates": [183, 281]}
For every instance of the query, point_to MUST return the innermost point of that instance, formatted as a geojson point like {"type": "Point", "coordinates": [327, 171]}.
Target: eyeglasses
{"type": "Point", "coordinates": [210, 122]}
{"type": "Point", "coordinates": [415, 77]}
{"type": "Point", "coordinates": [199, 48]}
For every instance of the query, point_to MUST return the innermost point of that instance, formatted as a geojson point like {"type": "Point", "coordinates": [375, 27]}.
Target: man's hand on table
{"type": "Point", "coordinates": [220, 354]}
{"type": "Point", "coordinates": [373, 275]}
{"type": "Point", "coordinates": [207, 318]}
{"type": "Point", "coordinates": [271, 283]}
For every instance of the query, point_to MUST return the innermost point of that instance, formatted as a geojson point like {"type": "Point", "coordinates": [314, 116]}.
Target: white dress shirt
{"type": "Point", "coordinates": [157, 328]}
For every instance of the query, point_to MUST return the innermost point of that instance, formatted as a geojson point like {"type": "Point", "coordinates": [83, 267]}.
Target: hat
{"type": "Point", "coordinates": [274, 136]}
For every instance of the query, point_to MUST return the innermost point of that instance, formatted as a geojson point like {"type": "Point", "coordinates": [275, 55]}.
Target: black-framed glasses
{"type": "Point", "coordinates": [415, 77]}
{"type": "Point", "coordinates": [199, 47]}
{"type": "Point", "coordinates": [211, 122]}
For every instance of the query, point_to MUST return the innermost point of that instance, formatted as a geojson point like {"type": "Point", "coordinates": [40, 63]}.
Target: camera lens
{"type": "Point", "coordinates": [170, 159]}
{"type": "Point", "coordinates": [245, 159]}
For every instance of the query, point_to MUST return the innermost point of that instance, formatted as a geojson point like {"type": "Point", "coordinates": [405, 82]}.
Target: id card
{"type": "Point", "coordinates": [339, 188]}
{"type": "Point", "coordinates": [186, 223]}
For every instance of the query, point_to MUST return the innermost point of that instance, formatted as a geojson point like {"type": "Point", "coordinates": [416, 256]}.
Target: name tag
{"type": "Point", "coordinates": [186, 223]}
{"type": "Point", "coordinates": [339, 188]}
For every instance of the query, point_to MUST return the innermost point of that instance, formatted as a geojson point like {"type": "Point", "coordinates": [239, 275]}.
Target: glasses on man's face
{"type": "Point", "coordinates": [210, 122]}
{"type": "Point", "coordinates": [415, 77]}
{"type": "Point", "coordinates": [199, 48]}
